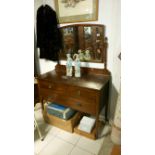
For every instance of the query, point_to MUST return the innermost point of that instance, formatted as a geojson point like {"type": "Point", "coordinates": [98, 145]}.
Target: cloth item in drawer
{"type": "Point", "coordinates": [60, 111]}
{"type": "Point", "coordinates": [86, 124]}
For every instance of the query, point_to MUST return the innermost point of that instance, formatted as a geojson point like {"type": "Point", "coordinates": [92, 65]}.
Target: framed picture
{"type": "Point", "coordinates": [69, 11]}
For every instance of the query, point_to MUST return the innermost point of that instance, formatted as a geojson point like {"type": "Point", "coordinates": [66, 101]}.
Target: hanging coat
{"type": "Point", "coordinates": [49, 38]}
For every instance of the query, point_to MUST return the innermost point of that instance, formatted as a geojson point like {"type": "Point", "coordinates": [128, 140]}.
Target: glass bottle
{"type": "Point", "coordinates": [77, 66]}
{"type": "Point", "coordinates": [69, 65]}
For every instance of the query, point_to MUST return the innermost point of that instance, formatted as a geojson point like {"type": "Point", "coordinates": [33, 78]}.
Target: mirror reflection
{"type": "Point", "coordinates": [68, 40]}
{"type": "Point", "coordinates": [88, 43]}
{"type": "Point", "coordinates": [85, 40]}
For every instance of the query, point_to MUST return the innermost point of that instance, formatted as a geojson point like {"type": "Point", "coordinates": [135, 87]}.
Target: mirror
{"type": "Point", "coordinates": [69, 42]}
{"type": "Point", "coordinates": [88, 54]}
{"type": "Point", "coordinates": [85, 39]}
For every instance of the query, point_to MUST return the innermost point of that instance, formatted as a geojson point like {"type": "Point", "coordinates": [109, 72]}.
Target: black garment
{"type": "Point", "coordinates": [48, 34]}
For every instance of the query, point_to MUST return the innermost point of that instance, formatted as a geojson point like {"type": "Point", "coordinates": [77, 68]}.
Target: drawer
{"type": "Point", "coordinates": [67, 125]}
{"type": "Point", "coordinates": [52, 87]}
{"type": "Point", "coordinates": [82, 94]}
{"type": "Point", "coordinates": [48, 94]}
{"type": "Point", "coordinates": [78, 98]}
{"type": "Point", "coordinates": [47, 85]}
{"type": "Point", "coordinates": [52, 95]}
{"type": "Point", "coordinates": [79, 105]}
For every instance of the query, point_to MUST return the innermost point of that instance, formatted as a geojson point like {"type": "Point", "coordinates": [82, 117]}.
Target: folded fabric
{"type": "Point", "coordinates": [86, 124]}
{"type": "Point", "coordinates": [87, 120]}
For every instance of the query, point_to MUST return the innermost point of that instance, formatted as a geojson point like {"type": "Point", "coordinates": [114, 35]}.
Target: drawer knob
{"type": "Point", "coordinates": [78, 104]}
{"type": "Point", "coordinates": [50, 97]}
{"type": "Point", "coordinates": [50, 86]}
{"type": "Point", "coordinates": [78, 93]}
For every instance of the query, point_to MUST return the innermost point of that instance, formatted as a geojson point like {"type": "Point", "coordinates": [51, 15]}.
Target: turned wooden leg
{"type": "Point", "coordinates": [106, 112]}
{"type": "Point", "coordinates": [42, 103]}
{"type": "Point", "coordinates": [107, 103]}
{"type": "Point", "coordinates": [96, 127]}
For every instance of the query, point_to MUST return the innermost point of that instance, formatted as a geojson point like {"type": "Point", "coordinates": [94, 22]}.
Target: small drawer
{"type": "Point", "coordinates": [52, 87]}
{"type": "Point", "coordinates": [67, 125]}
{"type": "Point", "coordinates": [77, 104]}
{"type": "Point", "coordinates": [48, 95]}
{"type": "Point", "coordinates": [83, 94]}
{"type": "Point", "coordinates": [47, 85]}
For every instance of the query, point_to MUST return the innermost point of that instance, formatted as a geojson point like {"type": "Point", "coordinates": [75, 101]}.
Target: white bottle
{"type": "Point", "coordinates": [81, 55]}
{"type": "Point", "coordinates": [69, 65]}
{"type": "Point", "coordinates": [87, 56]}
{"type": "Point", "coordinates": [77, 66]}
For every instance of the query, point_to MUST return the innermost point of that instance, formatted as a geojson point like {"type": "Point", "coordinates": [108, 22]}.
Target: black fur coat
{"type": "Point", "coordinates": [49, 38]}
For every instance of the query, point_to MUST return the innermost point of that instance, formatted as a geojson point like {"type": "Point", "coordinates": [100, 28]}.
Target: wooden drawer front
{"type": "Point", "coordinates": [51, 95]}
{"type": "Point", "coordinates": [52, 87]}
{"type": "Point", "coordinates": [88, 107]}
{"type": "Point", "coordinates": [82, 94]}
{"type": "Point", "coordinates": [48, 94]}
{"type": "Point", "coordinates": [79, 105]}
{"type": "Point", "coordinates": [80, 99]}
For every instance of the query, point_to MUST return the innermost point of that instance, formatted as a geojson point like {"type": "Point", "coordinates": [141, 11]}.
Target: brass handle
{"type": "Point", "coordinates": [78, 93]}
{"type": "Point", "coordinates": [50, 97]}
{"type": "Point", "coordinates": [78, 104]}
{"type": "Point", "coordinates": [50, 86]}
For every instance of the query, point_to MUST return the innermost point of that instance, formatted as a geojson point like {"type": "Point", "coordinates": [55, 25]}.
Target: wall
{"type": "Point", "coordinates": [109, 15]}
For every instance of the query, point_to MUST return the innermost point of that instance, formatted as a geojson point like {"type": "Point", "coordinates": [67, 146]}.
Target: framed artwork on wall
{"type": "Point", "coordinates": [69, 11]}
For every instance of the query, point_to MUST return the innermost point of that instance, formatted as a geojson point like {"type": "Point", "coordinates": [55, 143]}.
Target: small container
{"type": "Point", "coordinates": [69, 70]}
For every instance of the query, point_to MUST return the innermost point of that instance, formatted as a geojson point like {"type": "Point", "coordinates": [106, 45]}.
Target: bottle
{"type": "Point", "coordinates": [87, 56]}
{"type": "Point", "coordinates": [77, 66]}
{"type": "Point", "coordinates": [69, 65]}
{"type": "Point", "coordinates": [81, 55]}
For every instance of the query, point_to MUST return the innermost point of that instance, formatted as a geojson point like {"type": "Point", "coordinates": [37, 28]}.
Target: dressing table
{"type": "Point", "coordinates": [87, 94]}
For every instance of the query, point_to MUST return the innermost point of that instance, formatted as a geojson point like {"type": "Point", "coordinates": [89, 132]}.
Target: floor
{"type": "Point", "coordinates": [116, 150]}
{"type": "Point", "coordinates": [60, 142]}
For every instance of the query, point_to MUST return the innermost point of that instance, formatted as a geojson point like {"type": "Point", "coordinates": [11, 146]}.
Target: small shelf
{"type": "Point", "coordinates": [71, 125]}
{"type": "Point", "coordinates": [86, 134]}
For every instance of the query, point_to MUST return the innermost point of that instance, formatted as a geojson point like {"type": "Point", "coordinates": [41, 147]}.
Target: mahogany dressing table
{"type": "Point", "coordinates": [87, 94]}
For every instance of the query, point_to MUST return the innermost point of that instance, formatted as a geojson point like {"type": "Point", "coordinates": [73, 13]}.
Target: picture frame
{"type": "Point", "coordinates": [70, 11]}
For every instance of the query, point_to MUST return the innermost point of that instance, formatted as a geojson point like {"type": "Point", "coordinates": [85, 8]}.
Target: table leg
{"type": "Point", "coordinates": [97, 127]}
{"type": "Point", "coordinates": [106, 112]}
{"type": "Point", "coordinates": [42, 103]}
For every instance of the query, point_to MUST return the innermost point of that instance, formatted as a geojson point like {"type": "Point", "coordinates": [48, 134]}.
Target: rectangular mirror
{"type": "Point", "coordinates": [87, 40]}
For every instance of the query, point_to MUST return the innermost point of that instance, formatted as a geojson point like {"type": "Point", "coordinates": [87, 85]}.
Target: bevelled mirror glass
{"type": "Point", "coordinates": [87, 40]}
{"type": "Point", "coordinates": [69, 41]}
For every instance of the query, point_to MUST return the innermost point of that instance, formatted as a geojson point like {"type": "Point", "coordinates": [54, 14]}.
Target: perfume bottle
{"type": "Point", "coordinates": [69, 69]}
{"type": "Point", "coordinates": [77, 66]}
{"type": "Point", "coordinates": [87, 56]}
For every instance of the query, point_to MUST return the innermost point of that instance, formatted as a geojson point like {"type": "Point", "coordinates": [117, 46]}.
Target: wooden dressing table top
{"type": "Point", "coordinates": [91, 81]}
